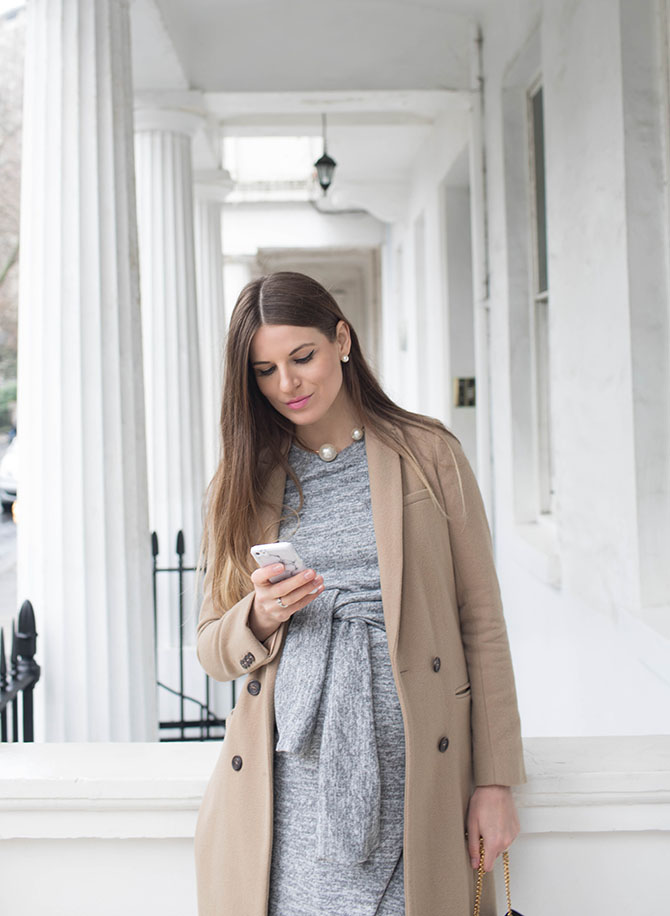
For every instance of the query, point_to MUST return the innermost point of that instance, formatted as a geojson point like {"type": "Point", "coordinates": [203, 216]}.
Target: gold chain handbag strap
{"type": "Point", "coordinates": [480, 880]}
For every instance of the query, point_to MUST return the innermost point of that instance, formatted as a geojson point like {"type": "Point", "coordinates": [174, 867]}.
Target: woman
{"type": "Point", "coordinates": [377, 736]}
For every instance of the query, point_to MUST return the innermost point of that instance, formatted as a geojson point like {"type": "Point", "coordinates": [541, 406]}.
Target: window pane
{"type": "Point", "coordinates": [540, 198]}
{"type": "Point", "coordinates": [545, 455]}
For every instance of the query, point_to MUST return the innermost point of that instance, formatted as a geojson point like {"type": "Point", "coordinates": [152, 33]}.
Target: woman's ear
{"type": "Point", "coordinates": [343, 337]}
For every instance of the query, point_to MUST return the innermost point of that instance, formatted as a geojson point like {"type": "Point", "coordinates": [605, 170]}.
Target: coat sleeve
{"type": "Point", "coordinates": [497, 750]}
{"type": "Point", "coordinates": [226, 646]}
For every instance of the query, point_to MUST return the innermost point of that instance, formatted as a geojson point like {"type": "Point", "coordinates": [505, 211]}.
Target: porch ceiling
{"type": "Point", "coordinates": [383, 70]}
{"type": "Point", "coordinates": [293, 45]}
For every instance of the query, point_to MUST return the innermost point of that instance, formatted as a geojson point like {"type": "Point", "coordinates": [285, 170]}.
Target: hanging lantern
{"type": "Point", "coordinates": [325, 166]}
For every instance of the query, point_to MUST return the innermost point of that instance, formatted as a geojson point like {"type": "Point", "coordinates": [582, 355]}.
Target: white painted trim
{"type": "Point", "coordinates": [212, 184]}
{"type": "Point", "coordinates": [162, 119]}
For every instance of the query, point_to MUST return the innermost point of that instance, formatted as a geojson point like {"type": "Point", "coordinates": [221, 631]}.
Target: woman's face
{"type": "Point", "coordinates": [298, 369]}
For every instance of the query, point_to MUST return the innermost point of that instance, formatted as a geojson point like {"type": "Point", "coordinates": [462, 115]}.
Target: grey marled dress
{"type": "Point", "coordinates": [339, 779]}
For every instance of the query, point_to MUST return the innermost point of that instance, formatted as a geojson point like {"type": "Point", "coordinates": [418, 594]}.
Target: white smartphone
{"type": "Point", "coordinates": [281, 552]}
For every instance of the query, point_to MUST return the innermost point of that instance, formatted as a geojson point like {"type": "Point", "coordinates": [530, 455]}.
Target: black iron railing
{"type": "Point", "coordinates": [205, 725]}
{"type": "Point", "coordinates": [18, 681]}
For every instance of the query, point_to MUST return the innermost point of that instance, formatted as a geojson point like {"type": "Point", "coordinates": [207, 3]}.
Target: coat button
{"type": "Point", "coordinates": [437, 664]}
{"type": "Point", "coordinates": [442, 746]}
{"type": "Point", "coordinates": [254, 688]}
{"type": "Point", "coordinates": [236, 762]}
{"type": "Point", "coordinates": [248, 660]}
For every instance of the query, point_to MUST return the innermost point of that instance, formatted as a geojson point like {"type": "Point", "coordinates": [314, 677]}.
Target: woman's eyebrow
{"type": "Point", "coordinates": [258, 362]}
{"type": "Point", "coordinates": [309, 344]}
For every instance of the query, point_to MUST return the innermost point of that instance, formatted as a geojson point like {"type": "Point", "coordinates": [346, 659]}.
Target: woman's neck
{"type": "Point", "coordinates": [335, 428]}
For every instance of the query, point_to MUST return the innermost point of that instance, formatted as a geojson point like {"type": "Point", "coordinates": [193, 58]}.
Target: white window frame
{"type": "Point", "coordinates": [540, 324]}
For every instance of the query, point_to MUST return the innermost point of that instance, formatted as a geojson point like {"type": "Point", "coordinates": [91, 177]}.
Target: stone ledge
{"type": "Point", "coordinates": [154, 790]}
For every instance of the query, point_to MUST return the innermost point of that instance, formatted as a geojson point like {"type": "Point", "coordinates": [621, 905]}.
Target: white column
{"type": "Point", "coordinates": [171, 363]}
{"type": "Point", "coordinates": [211, 189]}
{"type": "Point", "coordinates": [170, 325]}
{"type": "Point", "coordinates": [83, 539]}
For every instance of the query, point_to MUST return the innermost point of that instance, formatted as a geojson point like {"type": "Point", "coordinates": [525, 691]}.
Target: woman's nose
{"type": "Point", "coordinates": [288, 381]}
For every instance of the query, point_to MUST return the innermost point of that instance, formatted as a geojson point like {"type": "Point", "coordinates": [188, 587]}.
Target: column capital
{"type": "Point", "coordinates": [176, 112]}
{"type": "Point", "coordinates": [212, 184]}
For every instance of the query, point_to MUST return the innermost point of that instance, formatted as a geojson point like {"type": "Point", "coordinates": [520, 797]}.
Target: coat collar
{"type": "Point", "coordinates": [387, 515]}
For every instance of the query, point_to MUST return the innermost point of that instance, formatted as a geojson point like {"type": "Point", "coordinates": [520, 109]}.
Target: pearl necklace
{"type": "Point", "coordinates": [328, 452]}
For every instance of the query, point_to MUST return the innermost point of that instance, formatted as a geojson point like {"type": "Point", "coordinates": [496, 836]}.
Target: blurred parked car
{"type": "Point", "coordinates": [8, 475]}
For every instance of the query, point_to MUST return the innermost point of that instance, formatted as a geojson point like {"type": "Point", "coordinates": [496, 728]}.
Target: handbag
{"type": "Point", "coordinates": [480, 878]}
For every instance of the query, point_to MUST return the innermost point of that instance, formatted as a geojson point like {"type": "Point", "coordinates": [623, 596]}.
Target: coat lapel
{"type": "Point", "coordinates": [386, 495]}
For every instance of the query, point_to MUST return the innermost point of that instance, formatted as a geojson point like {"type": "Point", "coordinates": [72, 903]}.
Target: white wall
{"type": "Point", "coordinates": [644, 34]}
{"type": "Point", "coordinates": [109, 828]}
{"type": "Point", "coordinates": [460, 306]}
{"type": "Point", "coordinates": [581, 584]}
{"type": "Point", "coordinates": [590, 311]}
{"type": "Point", "coordinates": [248, 227]}
{"type": "Point", "coordinates": [416, 359]}
{"type": "Point", "coordinates": [573, 584]}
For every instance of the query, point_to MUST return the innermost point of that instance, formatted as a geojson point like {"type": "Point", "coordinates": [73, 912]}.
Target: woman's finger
{"type": "Point", "coordinates": [287, 586]}
{"type": "Point", "coordinates": [304, 589]}
{"type": "Point", "coordinates": [311, 590]}
{"type": "Point", "coordinates": [302, 602]}
{"type": "Point", "coordinates": [492, 850]}
{"type": "Point", "coordinates": [263, 574]}
{"type": "Point", "coordinates": [473, 846]}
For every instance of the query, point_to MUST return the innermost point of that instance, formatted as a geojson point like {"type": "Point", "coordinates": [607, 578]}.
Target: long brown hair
{"type": "Point", "coordinates": [255, 438]}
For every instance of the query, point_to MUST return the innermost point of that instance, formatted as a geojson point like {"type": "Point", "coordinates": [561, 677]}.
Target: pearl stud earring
{"type": "Point", "coordinates": [345, 358]}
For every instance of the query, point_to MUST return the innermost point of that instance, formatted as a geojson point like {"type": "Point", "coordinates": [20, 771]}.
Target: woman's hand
{"type": "Point", "coordinates": [267, 614]}
{"type": "Point", "coordinates": [492, 815]}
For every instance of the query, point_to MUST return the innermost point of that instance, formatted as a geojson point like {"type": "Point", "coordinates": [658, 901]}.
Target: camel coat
{"type": "Point", "coordinates": [451, 663]}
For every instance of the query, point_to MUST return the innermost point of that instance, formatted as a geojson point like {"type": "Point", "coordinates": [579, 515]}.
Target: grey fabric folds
{"type": "Point", "coordinates": [349, 785]}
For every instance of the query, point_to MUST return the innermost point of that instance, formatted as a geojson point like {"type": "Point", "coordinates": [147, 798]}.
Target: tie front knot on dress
{"type": "Point", "coordinates": [349, 798]}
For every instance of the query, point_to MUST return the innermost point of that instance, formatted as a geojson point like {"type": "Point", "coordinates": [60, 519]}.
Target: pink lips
{"type": "Point", "coordinates": [298, 402]}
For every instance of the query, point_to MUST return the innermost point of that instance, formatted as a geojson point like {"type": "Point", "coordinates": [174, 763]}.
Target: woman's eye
{"type": "Point", "coordinates": [303, 359]}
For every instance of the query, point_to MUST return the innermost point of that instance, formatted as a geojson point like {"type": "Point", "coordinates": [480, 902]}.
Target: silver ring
{"type": "Point", "coordinates": [281, 603]}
